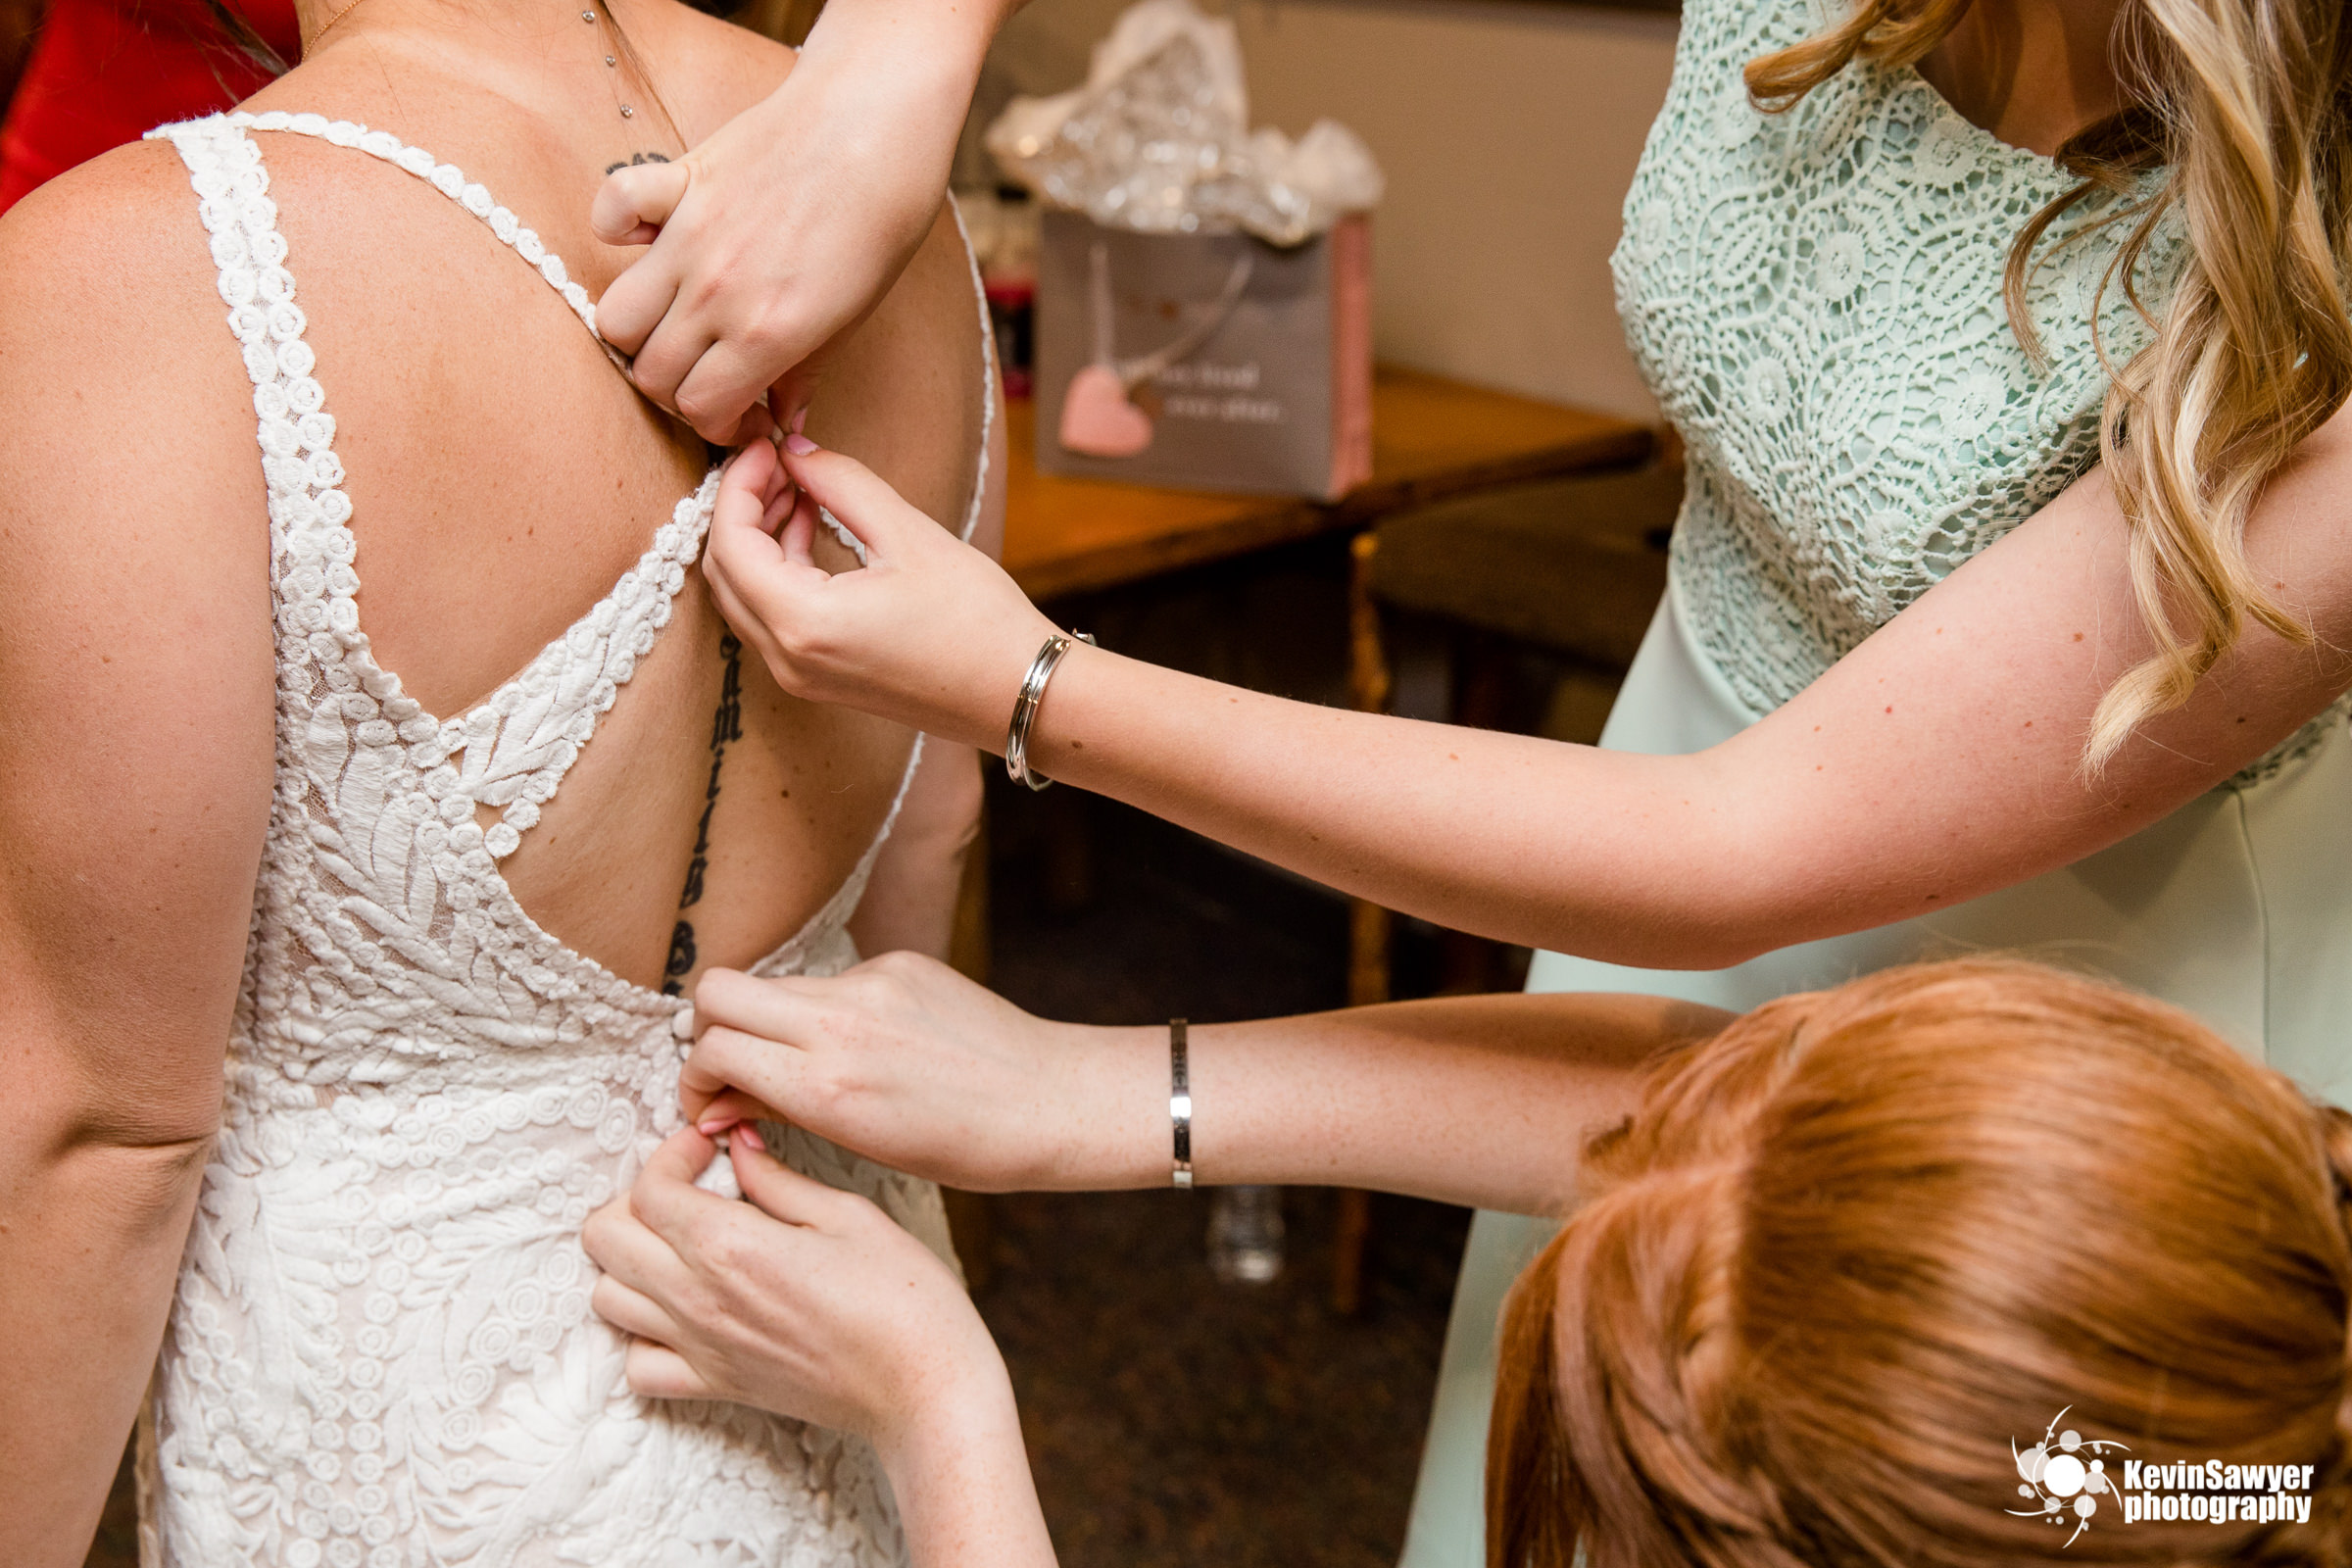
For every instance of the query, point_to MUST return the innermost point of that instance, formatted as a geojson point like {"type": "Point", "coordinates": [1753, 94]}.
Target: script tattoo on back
{"type": "Point", "coordinates": [726, 724]}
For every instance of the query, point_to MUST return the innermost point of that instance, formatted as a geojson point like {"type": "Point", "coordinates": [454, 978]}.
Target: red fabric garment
{"type": "Point", "coordinates": [105, 72]}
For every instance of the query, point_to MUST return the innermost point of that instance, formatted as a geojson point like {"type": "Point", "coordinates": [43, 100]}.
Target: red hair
{"type": "Point", "coordinates": [1856, 1251]}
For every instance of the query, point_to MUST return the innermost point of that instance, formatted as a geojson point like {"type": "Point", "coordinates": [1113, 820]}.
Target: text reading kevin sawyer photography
{"type": "Point", "coordinates": [2217, 1492]}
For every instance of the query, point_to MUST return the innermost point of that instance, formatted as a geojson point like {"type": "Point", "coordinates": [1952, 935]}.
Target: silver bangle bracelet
{"type": "Point", "coordinates": [1024, 708]}
{"type": "Point", "coordinates": [1180, 1103]}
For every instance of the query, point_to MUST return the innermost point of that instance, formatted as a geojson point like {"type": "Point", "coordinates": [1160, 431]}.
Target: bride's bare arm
{"type": "Point", "coordinates": [909, 904]}
{"type": "Point", "coordinates": [1939, 760]}
{"type": "Point", "coordinates": [135, 763]}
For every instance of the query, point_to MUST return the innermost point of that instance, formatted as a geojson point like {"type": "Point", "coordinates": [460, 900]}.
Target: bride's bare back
{"type": "Point", "coordinates": [504, 474]}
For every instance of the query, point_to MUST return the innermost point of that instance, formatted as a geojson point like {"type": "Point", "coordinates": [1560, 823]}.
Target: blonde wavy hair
{"type": "Point", "coordinates": [1854, 1254]}
{"type": "Point", "coordinates": [2246, 106]}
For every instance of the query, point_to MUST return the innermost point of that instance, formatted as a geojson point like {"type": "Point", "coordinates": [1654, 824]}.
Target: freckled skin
{"type": "Point", "coordinates": [1950, 790]}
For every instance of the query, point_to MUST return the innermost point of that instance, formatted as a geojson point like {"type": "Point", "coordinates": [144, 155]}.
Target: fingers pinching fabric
{"type": "Point", "coordinates": [381, 1353]}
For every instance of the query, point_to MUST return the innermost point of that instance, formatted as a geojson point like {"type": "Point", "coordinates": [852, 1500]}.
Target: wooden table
{"type": "Point", "coordinates": [1431, 438]}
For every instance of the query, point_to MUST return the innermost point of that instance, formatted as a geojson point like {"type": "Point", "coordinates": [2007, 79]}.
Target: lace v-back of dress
{"type": "Point", "coordinates": [380, 1352]}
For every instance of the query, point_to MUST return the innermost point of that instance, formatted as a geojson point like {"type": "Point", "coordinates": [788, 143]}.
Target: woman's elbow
{"type": "Point", "coordinates": [163, 1126]}
{"type": "Point", "coordinates": [153, 1183]}
{"type": "Point", "coordinates": [123, 1182]}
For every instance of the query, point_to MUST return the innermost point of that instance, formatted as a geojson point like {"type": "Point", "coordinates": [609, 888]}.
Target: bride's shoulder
{"type": "Point", "coordinates": [108, 273]}
{"type": "Point", "coordinates": [129, 488]}
{"type": "Point", "coordinates": [125, 209]}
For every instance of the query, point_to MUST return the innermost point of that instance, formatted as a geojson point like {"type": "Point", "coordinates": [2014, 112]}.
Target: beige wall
{"type": "Point", "coordinates": [1508, 130]}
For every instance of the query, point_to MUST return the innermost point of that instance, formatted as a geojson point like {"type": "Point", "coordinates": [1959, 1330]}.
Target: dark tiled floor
{"type": "Point", "coordinates": [1172, 1420]}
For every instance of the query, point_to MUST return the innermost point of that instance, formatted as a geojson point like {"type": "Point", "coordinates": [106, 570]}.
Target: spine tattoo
{"type": "Point", "coordinates": [726, 726]}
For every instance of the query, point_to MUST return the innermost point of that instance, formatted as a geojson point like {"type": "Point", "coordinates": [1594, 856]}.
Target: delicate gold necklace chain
{"type": "Point", "coordinates": [330, 22]}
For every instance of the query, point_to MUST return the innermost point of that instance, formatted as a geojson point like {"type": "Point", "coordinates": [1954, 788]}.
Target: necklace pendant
{"type": "Point", "coordinates": [609, 61]}
{"type": "Point", "coordinates": [587, 15]}
{"type": "Point", "coordinates": [626, 113]}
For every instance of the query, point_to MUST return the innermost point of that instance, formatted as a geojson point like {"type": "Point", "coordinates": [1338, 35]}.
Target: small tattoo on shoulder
{"type": "Point", "coordinates": [634, 159]}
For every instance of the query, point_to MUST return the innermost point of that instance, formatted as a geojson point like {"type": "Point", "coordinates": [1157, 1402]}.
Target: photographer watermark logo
{"type": "Point", "coordinates": [2065, 1474]}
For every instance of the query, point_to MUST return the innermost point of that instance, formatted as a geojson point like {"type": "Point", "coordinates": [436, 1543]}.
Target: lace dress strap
{"type": "Point", "coordinates": [450, 182]}
{"type": "Point", "coordinates": [398, 787]}
{"type": "Point", "coordinates": [308, 508]}
{"type": "Point", "coordinates": [353, 720]}
{"type": "Point", "coordinates": [988, 374]}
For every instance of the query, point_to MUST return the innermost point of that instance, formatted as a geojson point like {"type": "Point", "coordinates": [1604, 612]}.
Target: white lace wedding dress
{"type": "Point", "coordinates": [381, 1353]}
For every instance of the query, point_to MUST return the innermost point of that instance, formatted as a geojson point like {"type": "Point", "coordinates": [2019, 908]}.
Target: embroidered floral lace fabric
{"type": "Point", "coordinates": [1815, 298]}
{"type": "Point", "coordinates": [380, 1355]}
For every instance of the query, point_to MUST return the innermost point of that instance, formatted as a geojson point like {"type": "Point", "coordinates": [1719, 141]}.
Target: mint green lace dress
{"type": "Point", "coordinates": [1815, 298]}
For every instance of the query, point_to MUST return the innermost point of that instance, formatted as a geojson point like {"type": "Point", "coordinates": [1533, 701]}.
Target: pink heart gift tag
{"type": "Point", "coordinates": [1098, 420]}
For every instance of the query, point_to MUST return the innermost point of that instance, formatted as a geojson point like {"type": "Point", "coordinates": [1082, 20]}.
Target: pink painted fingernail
{"type": "Point", "coordinates": [798, 445]}
{"type": "Point", "coordinates": [747, 1133]}
{"type": "Point", "coordinates": [715, 1126]}
{"type": "Point", "coordinates": [798, 421]}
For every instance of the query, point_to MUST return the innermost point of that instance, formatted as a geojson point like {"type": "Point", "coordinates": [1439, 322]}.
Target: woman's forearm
{"type": "Point", "coordinates": [1470, 1099]}
{"type": "Point", "coordinates": [962, 1476]}
{"type": "Point", "coordinates": [1523, 840]}
{"type": "Point", "coordinates": [1478, 1101]}
{"type": "Point", "coordinates": [948, 36]}
{"type": "Point", "coordinates": [1939, 762]}
{"type": "Point", "coordinates": [90, 1240]}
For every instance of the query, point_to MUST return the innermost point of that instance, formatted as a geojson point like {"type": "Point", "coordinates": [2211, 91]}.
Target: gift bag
{"type": "Point", "coordinates": [1213, 362]}
{"type": "Point", "coordinates": [1204, 290]}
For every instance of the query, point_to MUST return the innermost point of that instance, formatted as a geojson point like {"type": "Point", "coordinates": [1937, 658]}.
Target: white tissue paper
{"type": "Point", "coordinates": [1158, 140]}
